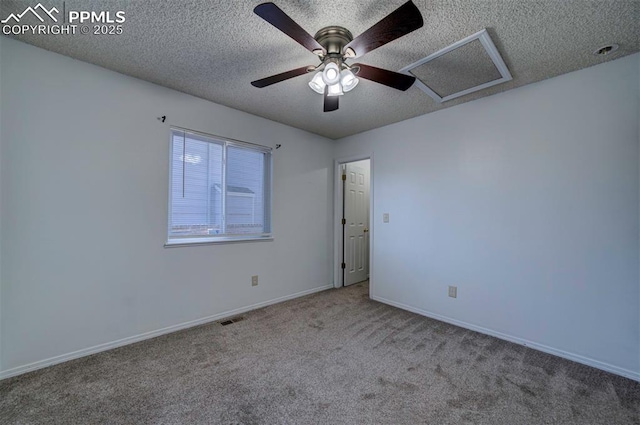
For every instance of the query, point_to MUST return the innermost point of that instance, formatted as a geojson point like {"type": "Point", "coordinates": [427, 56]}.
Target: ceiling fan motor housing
{"type": "Point", "coordinates": [333, 39]}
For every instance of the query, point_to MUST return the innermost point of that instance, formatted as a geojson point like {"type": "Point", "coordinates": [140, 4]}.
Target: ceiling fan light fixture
{"type": "Point", "coordinates": [317, 84]}
{"type": "Point", "coordinates": [348, 80]}
{"type": "Point", "coordinates": [331, 74]}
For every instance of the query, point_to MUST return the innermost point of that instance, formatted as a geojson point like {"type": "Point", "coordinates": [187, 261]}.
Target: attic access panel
{"type": "Point", "coordinates": [466, 66]}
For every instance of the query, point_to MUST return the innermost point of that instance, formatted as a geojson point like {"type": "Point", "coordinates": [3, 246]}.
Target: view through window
{"type": "Point", "coordinates": [220, 189]}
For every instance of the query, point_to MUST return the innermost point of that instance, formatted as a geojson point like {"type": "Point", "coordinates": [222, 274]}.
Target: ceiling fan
{"type": "Point", "coordinates": [335, 45]}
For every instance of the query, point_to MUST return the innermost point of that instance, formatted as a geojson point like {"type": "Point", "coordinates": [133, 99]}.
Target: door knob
{"type": "Point", "coordinates": [365, 230]}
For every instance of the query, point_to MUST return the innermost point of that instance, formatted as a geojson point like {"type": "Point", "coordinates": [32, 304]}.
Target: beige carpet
{"type": "Point", "coordinates": [335, 357]}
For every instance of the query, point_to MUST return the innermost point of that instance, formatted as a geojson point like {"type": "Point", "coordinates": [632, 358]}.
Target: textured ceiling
{"type": "Point", "coordinates": [213, 49]}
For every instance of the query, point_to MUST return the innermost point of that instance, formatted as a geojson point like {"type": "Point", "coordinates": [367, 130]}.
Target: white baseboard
{"type": "Point", "coordinates": [540, 347]}
{"type": "Point", "coordinates": [148, 335]}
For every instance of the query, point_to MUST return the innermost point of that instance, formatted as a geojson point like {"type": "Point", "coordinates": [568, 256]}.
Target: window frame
{"type": "Point", "coordinates": [268, 190]}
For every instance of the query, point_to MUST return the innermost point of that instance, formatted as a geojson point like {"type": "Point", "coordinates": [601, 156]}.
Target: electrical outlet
{"type": "Point", "coordinates": [254, 280]}
{"type": "Point", "coordinates": [453, 291]}
{"type": "Point", "coordinates": [385, 217]}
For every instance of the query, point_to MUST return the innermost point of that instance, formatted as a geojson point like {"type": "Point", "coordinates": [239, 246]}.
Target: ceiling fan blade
{"type": "Point", "coordinates": [330, 102]}
{"type": "Point", "coordinates": [280, 77]}
{"type": "Point", "coordinates": [384, 76]}
{"type": "Point", "coordinates": [402, 21]}
{"type": "Point", "coordinates": [276, 17]}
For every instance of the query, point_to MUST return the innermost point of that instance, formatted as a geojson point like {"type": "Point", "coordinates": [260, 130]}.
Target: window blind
{"type": "Point", "coordinates": [219, 189]}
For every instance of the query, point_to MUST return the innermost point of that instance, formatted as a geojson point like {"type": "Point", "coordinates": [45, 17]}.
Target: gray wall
{"type": "Point", "coordinates": [84, 165]}
{"type": "Point", "coordinates": [528, 202]}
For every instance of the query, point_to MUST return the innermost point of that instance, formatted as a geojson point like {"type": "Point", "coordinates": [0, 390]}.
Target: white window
{"type": "Point", "coordinates": [220, 190]}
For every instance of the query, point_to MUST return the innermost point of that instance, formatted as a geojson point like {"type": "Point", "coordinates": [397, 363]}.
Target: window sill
{"type": "Point", "coordinates": [216, 241]}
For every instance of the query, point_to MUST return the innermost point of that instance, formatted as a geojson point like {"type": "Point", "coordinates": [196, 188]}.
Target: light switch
{"type": "Point", "coordinates": [385, 217]}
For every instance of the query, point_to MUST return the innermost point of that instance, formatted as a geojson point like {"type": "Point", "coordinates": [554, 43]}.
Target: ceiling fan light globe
{"type": "Point", "coordinates": [317, 84]}
{"type": "Point", "coordinates": [335, 90]}
{"type": "Point", "coordinates": [348, 80]}
{"type": "Point", "coordinates": [331, 74]}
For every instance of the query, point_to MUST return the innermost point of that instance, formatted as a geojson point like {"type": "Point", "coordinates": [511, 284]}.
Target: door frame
{"type": "Point", "coordinates": [337, 218]}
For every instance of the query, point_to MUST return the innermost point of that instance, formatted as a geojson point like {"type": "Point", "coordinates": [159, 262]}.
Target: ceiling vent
{"type": "Point", "coordinates": [465, 67]}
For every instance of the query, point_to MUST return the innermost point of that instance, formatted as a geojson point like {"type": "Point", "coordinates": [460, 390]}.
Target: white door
{"type": "Point", "coordinates": [356, 229]}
